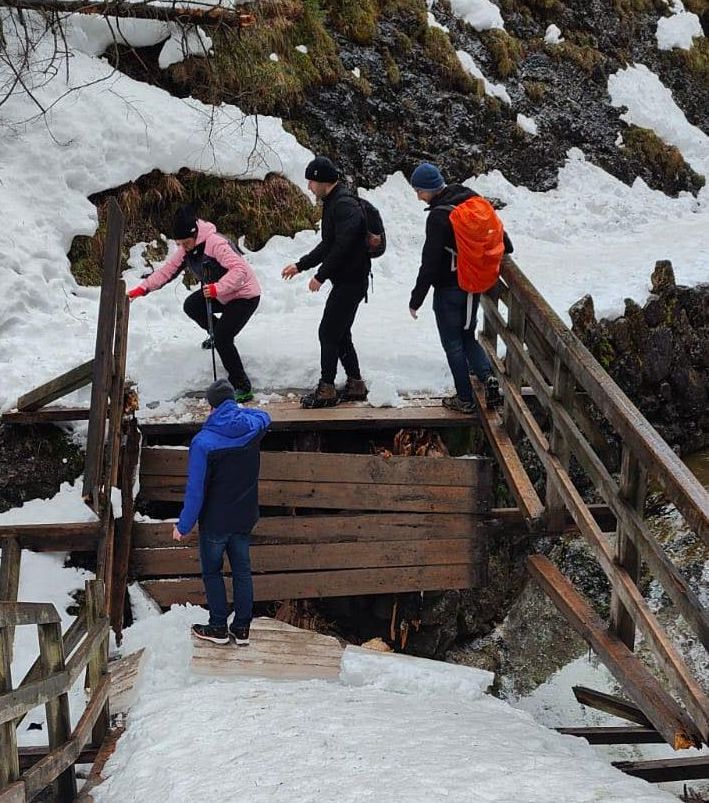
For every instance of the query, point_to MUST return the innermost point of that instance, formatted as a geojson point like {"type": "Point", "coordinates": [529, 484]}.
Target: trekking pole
{"type": "Point", "coordinates": [210, 329]}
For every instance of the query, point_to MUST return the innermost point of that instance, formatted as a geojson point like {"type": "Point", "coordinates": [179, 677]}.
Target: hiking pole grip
{"type": "Point", "coordinates": [210, 329]}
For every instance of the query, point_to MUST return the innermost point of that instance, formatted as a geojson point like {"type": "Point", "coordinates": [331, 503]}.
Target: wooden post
{"type": "Point", "coordinates": [563, 392]}
{"type": "Point", "coordinates": [633, 487]}
{"type": "Point", "coordinates": [51, 655]}
{"type": "Point", "coordinates": [103, 355]}
{"type": "Point", "coordinates": [130, 457]}
{"type": "Point", "coordinates": [97, 666]}
{"type": "Point", "coordinates": [9, 758]}
{"type": "Point", "coordinates": [9, 584]}
{"type": "Point", "coordinates": [488, 328]}
{"type": "Point", "coordinates": [513, 366]}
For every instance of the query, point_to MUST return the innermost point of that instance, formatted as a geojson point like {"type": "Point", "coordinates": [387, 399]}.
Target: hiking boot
{"type": "Point", "coordinates": [493, 394]}
{"type": "Point", "coordinates": [456, 404]}
{"type": "Point", "coordinates": [324, 395]}
{"type": "Point", "coordinates": [217, 635]}
{"type": "Point", "coordinates": [240, 635]}
{"type": "Point", "coordinates": [208, 343]}
{"type": "Point", "coordinates": [354, 390]}
{"type": "Point", "coordinates": [243, 396]}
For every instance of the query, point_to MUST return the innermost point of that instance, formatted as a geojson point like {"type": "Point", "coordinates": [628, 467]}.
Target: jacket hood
{"type": "Point", "coordinates": [204, 230]}
{"type": "Point", "coordinates": [231, 421]}
{"type": "Point", "coordinates": [451, 195]}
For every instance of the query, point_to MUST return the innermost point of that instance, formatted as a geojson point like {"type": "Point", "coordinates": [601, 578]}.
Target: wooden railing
{"type": "Point", "coordinates": [48, 683]}
{"type": "Point", "coordinates": [576, 393]}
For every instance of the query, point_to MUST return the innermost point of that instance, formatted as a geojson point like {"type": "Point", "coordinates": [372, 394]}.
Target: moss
{"type": "Point", "coordinates": [697, 7]}
{"type": "Point", "coordinates": [604, 353]}
{"type": "Point", "coordinates": [355, 20]}
{"type": "Point", "coordinates": [411, 12]}
{"type": "Point", "coordinates": [254, 209]}
{"type": "Point", "coordinates": [586, 57]}
{"type": "Point", "coordinates": [506, 51]}
{"type": "Point", "coordinates": [696, 59]}
{"type": "Point", "coordinates": [664, 160]}
{"type": "Point", "coordinates": [439, 49]}
{"type": "Point", "coordinates": [535, 90]}
{"type": "Point", "coordinates": [242, 71]}
{"type": "Point", "coordinates": [392, 68]}
{"type": "Point", "coordinates": [402, 43]}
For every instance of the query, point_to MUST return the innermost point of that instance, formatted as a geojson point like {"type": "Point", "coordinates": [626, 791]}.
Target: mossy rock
{"type": "Point", "coordinates": [355, 20]}
{"type": "Point", "coordinates": [584, 56]}
{"type": "Point", "coordinates": [665, 161]}
{"type": "Point", "coordinates": [439, 49]}
{"type": "Point", "coordinates": [506, 51]}
{"type": "Point", "coordinates": [535, 90]}
{"type": "Point", "coordinates": [256, 210]}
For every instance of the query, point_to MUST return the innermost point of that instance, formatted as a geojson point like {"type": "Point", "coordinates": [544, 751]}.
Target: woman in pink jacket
{"type": "Point", "coordinates": [227, 280]}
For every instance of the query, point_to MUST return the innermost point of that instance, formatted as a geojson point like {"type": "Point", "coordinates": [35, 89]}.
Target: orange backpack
{"type": "Point", "coordinates": [479, 244]}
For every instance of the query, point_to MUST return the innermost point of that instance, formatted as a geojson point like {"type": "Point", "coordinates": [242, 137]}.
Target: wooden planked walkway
{"type": "Point", "coordinates": [277, 650]}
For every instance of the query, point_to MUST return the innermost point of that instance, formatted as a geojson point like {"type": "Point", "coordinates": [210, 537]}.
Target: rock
{"type": "Point", "coordinates": [583, 316]}
{"type": "Point", "coordinates": [663, 277]}
{"type": "Point", "coordinates": [654, 311]}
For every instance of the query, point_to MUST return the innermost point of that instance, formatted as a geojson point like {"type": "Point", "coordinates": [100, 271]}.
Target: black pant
{"type": "Point", "coordinates": [234, 316]}
{"type": "Point", "coordinates": [335, 331]}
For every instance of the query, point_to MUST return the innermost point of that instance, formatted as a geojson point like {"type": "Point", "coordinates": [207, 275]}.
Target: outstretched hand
{"type": "Point", "coordinates": [290, 271]}
{"type": "Point", "coordinates": [413, 313]}
{"type": "Point", "coordinates": [314, 285]}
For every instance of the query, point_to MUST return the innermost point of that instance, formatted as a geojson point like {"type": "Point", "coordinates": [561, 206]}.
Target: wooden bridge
{"type": "Point", "coordinates": [338, 520]}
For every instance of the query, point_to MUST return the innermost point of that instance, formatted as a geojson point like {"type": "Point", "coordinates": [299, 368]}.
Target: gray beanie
{"type": "Point", "coordinates": [220, 391]}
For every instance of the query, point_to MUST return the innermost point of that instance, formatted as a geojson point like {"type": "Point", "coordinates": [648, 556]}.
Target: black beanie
{"type": "Point", "coordinates": [219, 392]}
{"type": "Point", "coordinates": [322, 169]}
{"type": "Point", "coordinates": [184, 224]}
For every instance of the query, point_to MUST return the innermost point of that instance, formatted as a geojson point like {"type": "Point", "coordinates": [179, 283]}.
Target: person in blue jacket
{"type": "Point", "coordinates": [222, 494]}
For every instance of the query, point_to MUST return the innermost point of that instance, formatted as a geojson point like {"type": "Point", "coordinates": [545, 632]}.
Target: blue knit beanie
{"type": "Point", "coordinates": [427, 177]}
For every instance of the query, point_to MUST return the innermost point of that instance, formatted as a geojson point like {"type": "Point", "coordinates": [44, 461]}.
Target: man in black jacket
{"type": "Point", "coordinates": [450, 304]}
{"type": "Point", "coordinates": [344, 260]}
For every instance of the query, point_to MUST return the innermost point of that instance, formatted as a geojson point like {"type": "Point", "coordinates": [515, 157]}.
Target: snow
{"type": "Point", "coordinates": [433, 23]}
{"type": "Point", "coordinates": [679, 29]}
{"type": "Point", "coordinates": [495, 90]}
{"type": "Point", "coordinates": [527, 124]}
{"type": "Point", "coordinates": [552, 35]}
{"type": "Point", "coordinates": [274, 57]}
{"type": "Point", "coordinates": [356, 72]}
{"type": "Point", "coordinates": [302, 48]}
{"type": "Point", "coordinates": [64, 507]}
{"type": "Point", "coordinates": [483, 15]}
{"type": "Point", "coordinates": [418, 740]}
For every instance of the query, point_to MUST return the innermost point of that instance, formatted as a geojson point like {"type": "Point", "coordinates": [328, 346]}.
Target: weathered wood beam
{"type": "Point", "coordinates": [80, 536]}
{"type": "Point", "coordinates": [59, 386]}
{"type": "Point", "coordinates": [45, 415]}
{"type": "Point", "coordinates": [13, 614]}
{"type": "Point", "coordinates": [611, 704]}
{"type": "Point", "coordinates": [667, 769]}
{"type": "Point", "coordinates": [31, 755]}
{"type": "Point", "coordinates": [624, 734]}
{"type": "Point", "coordinates": [659, 707]}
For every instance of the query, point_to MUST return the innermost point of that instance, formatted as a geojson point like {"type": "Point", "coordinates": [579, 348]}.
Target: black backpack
{"type": "Point", "coordinates": [375, 236]}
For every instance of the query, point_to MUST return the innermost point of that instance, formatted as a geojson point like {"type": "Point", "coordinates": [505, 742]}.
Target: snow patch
{"type": "Point", "coordinates": [301, 48]}
{"type": "Point", "coordinates": [481, 14]}
{"type": "Point", "coordinates": [433, 23]}
{"type": "Point", "coordinates": [552, 35]}
{"type": "Point", "coordinates": [495, 90]}
{"type": "Point", "coordinates": [678, 31]}
{"type": "Point", "coordinates": [527, 124]}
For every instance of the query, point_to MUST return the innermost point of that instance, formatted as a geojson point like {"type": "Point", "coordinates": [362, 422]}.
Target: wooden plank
{"type": "Point", "coordinates": [659, 707]}
{"type": "Point", "coordinates": [305, 585]}
{"type": "Point", "coordinates": [652, 552]}
{"type": "Point", "coordinates": [97, 665]}
{"type": "Point", "coordinates": [611, 705]}
{"type": "Point", "coordinates": [563, 393]}
{"type": "Point", "coordinates": [101, 380]}
{"type": "Point", "coordinates": [10, 561]}
{"type": "Point", "coordinates": [9, 761]}
{"type": "Point", "coordinates": [41, 774]}
{"type": "Point", "coordinates": [95, 777]}
{"type": "Point", "coordinates": [14, 793]}
{"type": "Point", "coordinates": [663, 770]}
{"type": "Point", "coordinates": [631, 734]}
{"type": "Point", "coordinates": [31, 755]}
{"type": "Point", "coordinates": [290, 417]}
{"type": "Point", "coordinates": [81, 536]}
{"type": "Point", "coordinates": [324, 528]}
{"type": "Point", "coordinates": [15, 704]}
{"type": "Point", "coordinates": [130, 457]}
{"type": "Point", "coordinates": [27, 613]}
{"type": "Point", "coordinates": [51, 656]}
{"type": "Point", "coordinates": [45, 415]}
{"type": "Point", "coordinates": [125, 673]}
{"type": "Point", "coordinates": [513, 365]}
{"type": "Point", "coordinates": [515, 475]}
{"type": "Point", "coordinates": [310, 557]}
{"type": "Point", "coordinates": [341, 496]}
{"type": "Point", "coordinates": [56, 388]}
{"type": "Point", "coordinates": [632, 489]}
{"type": "Point", "coordinates": [324, 467]}
{"type": "Point", "coordinates": [675, 479]}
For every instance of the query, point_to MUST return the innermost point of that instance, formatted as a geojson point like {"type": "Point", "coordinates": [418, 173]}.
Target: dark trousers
{"type": "Point", "coordinates": [335, 331]}
{"type": "Point", "coordinates": [234, 316]}
{"type": "Point", "coordinates": [212, 547]}
{"type": "Point", "coordinates": [465, 355]}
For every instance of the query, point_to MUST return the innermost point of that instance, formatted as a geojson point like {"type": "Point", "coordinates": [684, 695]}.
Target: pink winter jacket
{"type": "Point", "coordinates": [239, 281]}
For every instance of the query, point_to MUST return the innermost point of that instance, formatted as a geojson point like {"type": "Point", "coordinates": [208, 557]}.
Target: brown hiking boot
{"type": "Point", "coordinates": [457, 404]}
{"type": "Point", "coordinates": [354, 390]}
{"type": "Point", "coordinates": [324, 395]}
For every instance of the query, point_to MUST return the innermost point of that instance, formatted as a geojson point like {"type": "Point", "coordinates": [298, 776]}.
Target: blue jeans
{"type": "Point", "coordinates": [212, 547]}
{"type": "Point", "coordinates": [465, 355]}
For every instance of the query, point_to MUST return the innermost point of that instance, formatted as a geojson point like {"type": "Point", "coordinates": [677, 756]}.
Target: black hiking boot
{"type": "Point", "coordinates": [240, 635]}
{"type": "Point", "coordinates": [324, 395]}
{"type": "Point", "coordinates": [456, 404]}
{"type": "Point", "coordinates": [208, 343]}
{"type": "Point", "coordinates": [353, 390]}
{"type": "Point", "coordinates": [493, 394]}
{"type": "Point", "coordinates": [217, 635]}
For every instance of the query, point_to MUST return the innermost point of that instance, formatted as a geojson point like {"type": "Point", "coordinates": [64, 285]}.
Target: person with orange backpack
{"type": "Point", "coordinates": [465, 243]}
